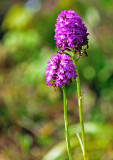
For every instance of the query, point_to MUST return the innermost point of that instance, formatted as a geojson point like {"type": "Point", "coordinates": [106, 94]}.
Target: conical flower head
{"type": "Point", "coordinates": [60, 70]}
{"type": "Point", "coordinates": [70, 31]}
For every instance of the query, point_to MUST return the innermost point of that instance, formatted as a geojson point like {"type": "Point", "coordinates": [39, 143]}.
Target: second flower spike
{"type": "Point", "coordinates": [60, 70]}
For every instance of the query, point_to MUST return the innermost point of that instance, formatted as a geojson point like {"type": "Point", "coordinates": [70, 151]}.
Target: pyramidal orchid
{"type": "Point", "coordinates": [71, 36]}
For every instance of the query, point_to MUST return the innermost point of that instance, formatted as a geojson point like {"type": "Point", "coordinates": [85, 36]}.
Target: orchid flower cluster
{"type": "Point", "coordinates": [70, 32]}
{"type": "Point", "coordinates": [71, 37]}
{"type": "Point", "coordinates": [60, 70]}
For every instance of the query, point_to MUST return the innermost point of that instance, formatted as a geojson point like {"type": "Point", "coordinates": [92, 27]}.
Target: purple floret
{"type": "Point", "coordinates": [70, 31]}
{"type": "Point", "coordinates": [60, 70]}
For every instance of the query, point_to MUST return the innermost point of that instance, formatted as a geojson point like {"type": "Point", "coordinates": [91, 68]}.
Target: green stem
{"type": "Point", "coordinates": [80, 110]}
{"type": "Point", "coordinates": [66, 123]}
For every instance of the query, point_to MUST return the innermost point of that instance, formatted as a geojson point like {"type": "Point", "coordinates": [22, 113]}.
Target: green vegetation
{"type": "Point", "coordinates": [31, 115]}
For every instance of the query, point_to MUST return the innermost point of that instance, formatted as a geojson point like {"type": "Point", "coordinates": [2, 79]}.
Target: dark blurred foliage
{"type": "Point", "coordinates": [31, 115]}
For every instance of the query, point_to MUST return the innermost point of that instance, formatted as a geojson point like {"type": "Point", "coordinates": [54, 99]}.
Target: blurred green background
{"type": "Point", "coordinates": [31, 115]}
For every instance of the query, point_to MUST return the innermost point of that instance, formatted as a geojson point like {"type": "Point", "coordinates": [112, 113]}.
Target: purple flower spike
{"type": "Point", "coordinates": [70, 31]}
{"type": "Point", "coordinates": [60, 70]}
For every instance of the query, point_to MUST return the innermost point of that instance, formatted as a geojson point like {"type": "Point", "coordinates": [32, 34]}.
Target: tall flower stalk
{"type": "Point", "coordinates": [71, 36]}
{"type": "Point", "coordinates": [66, 123]}
{"type": "Point", "coordinates": [80, 109]}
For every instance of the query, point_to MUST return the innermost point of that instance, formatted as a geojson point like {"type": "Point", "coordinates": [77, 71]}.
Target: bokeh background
{"type": "Point", "coordinates": [31, 115]}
